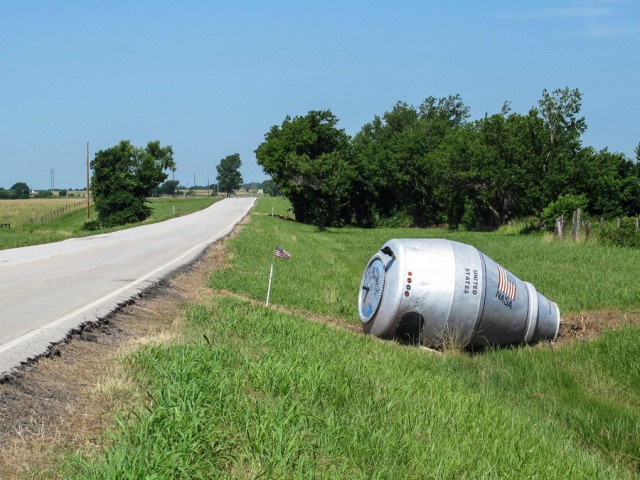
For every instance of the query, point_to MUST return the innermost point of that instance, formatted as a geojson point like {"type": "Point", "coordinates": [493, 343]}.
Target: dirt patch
{"type": "Point", "coordinates": [586, 325]}
{"type": "Point", "coordinates": [56, 404]}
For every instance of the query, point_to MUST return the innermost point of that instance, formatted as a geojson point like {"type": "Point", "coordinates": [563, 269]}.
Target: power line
{"type": "Point", "coordinates": [38, 134]}
{"type": "Point", "coordinates": [34, 145]}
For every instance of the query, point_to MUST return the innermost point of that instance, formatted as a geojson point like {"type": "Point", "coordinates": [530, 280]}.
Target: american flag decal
{"type": "Point", "coordinates": [506, 283]}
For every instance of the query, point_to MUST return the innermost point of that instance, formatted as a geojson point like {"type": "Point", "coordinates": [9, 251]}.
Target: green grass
{"type": "Point", "coordinates": [253, 392]}
{"type": "Point", "coordinates": [19, 212]}
{"type": "Point", "coordinates": [70, 225]}
{"type": "Point", "coordinates": [326, 268]}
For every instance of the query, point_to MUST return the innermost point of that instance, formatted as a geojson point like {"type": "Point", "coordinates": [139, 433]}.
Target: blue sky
{"type": "Point", "coordinates": [210, 78]}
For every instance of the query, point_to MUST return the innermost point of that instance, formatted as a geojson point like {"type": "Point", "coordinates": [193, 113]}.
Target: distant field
{"type": "Point", "coordinates": [54, 225]}
{"type": "Point", "coordinates": [295, 390]}
{"type": "Point", "coordinates": [19, 212]}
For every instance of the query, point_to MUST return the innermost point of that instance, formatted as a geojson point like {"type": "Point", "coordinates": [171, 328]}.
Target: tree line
{"type": "Point", "coordinates": [430, 165]}
{"type": "Point", "coordinates": [19, 190]}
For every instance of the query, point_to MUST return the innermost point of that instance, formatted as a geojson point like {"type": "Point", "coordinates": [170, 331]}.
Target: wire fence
{"type": "Point", "coordinates": [15, 219]}
{"type": "Point", "coordinates": [58, 212]}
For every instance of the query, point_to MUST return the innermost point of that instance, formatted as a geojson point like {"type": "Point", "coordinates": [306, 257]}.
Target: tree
{"type": "Point", "coordinates": [309, 158]}
{"type": "Point", "coordinates": [124, 176]}
{"type": "Point", "coordinates": [271, 188]}
{"type": "Point", "coordinates": [229, 178]}
{"type": "Point", "coordinates": [493, 168]}
{"type": "Point", "coordinates": [167, 188]}
{"type": "Point", "coordinates": [401, 170]}
{"type": "Point", "coordinates": [44, 194]}
{"type": "Point", "coordinates": [563, 129]}
{"type": "Point", "coordinates": [608, 180]}
{"type": "Point", "coordinates": [20, 190]}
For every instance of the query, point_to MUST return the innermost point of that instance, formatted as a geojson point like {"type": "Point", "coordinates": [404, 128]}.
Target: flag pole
{"type": "Point", "coordinates": [273, 257]}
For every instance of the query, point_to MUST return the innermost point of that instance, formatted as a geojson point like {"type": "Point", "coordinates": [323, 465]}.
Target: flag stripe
{"type": "Point", "coordinates": [281, 253]}
{"type": "Point", "coordinates": [506, 283]}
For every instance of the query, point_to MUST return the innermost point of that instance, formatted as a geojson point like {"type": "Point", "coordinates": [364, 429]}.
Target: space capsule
{"type": "Point", "coordinates": [436, 290]}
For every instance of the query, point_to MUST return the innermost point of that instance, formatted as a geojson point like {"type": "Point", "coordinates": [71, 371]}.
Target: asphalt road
{"type": "Point", "coordinates": [48, 290]}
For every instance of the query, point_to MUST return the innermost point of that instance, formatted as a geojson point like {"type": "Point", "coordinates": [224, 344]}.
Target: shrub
{"type": "Point", "coordinates": [564, 205]}
{"type": "Point", "coordinates": [91, 226]}
{"type": "Point", "coordinates": [625, 236]}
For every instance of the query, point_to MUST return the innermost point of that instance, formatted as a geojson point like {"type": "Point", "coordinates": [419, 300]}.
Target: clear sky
{"type": "Point", "coordinates": [211, 77]}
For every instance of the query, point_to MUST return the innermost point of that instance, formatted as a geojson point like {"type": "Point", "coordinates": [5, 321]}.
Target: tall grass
{"type": "Point", "coordinates": [19, 212]}
{"type": "Point", "coordinates": [254, 392]}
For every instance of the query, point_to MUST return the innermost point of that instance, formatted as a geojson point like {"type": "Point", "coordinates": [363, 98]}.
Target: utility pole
{"type": "Point", "coordinates": [88, 212]}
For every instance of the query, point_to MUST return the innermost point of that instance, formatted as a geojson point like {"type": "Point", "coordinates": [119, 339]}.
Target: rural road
{"type": "Point", "coordinates": [48, 290]}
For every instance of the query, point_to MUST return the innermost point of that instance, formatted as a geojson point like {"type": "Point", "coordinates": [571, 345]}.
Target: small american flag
{"type": "Point", "coordinates": [280, 252]}
{"type": "Point", "coordinates": [506, 283]}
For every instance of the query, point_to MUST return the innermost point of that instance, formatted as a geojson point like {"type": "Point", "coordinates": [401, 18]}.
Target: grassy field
{"type": "Point", "coordinates": [254, 392]}
{"type": "Point", "coordinates": [18, 212]}
{"type": "Point", "coordinates": [69, 224]}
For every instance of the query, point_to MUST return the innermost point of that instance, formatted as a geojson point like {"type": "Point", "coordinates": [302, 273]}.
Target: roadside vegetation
{"type": "Point", "coordinates": [248, 391]}
{"type": "Point", "coordinates": [68, 225]}
{"type": "Point", "coordinates": [431, 165]}
{"type": "Point", "coordinates": [124, 176]}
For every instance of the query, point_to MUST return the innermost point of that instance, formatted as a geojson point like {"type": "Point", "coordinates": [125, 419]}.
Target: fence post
{"type": "Point", "coordinates": [637, 224]}
{"type": "Point", "coordinates": [618, 222]}
{"type": "Point", "coordinates": [560, 227]}
{"type": "Point", "coordinates": [587, 230]}
{"type": "Point", "coordinates": [575, 226]}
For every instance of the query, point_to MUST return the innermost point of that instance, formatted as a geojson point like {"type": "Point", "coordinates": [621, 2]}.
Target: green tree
{"type": "Point", "coordinates": [399, 154]}
{"type": "Point", "coordinates": [20, 190]}
{"type": "Point", "coordinates": [167, 188]}
{"type": "Point", "coordinates": [124, 176]}
{"type": "Point", "coordinates": [563, 129]}
{"type": "Point", "coordinates": [309, 158]}
{"type": "Point", "coordinates": [603, 177]}
{"type": "Point", "coordinates": [44, 194]}
{"type": "Point", "coordinates": [494, 168]}
{"type": "Point", "coordinates": [229, 178]}
{"type": "Point", "coordinates": [270, 188]}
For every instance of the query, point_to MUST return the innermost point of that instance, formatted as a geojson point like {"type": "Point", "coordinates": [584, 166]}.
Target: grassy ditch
{"type": "Point", "coordinates": [70, 224]}
{"type": "Point", "coordinates": [253, 392]}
